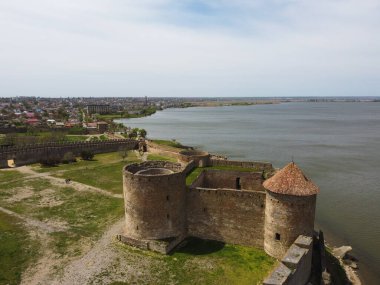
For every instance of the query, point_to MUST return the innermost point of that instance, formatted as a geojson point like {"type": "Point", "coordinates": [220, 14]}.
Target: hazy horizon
{"type": "Point", "coordinates": [167, 48]}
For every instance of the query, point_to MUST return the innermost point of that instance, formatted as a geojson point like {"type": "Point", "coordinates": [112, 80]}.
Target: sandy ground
{"type": "Point", "coordinates": [92, 263]}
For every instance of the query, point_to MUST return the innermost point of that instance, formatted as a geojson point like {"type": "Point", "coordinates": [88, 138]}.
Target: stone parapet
{"type": "Point", "coordinates": [295, 266]}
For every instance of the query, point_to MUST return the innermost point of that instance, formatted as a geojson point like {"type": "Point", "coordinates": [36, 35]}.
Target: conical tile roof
{"type": "Point", "coordinates": [290, 180]}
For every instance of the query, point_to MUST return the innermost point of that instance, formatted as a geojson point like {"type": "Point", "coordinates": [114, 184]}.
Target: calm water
{"type": "Point", "coordinates": [336, 144]}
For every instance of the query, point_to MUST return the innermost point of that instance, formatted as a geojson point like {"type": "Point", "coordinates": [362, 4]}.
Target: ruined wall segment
{"type": "Point", "coordinates": [154, 196]}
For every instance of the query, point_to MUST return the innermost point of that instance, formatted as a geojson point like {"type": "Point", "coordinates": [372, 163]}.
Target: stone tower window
{"type": "Point", "coordinates": [278, 236]}
{"type": "Point", "coordinates": [167, 198]}
{"type": "Point", "coordinates": [238, 183]}
{"type": "Point", "coordinates": [167, 216]}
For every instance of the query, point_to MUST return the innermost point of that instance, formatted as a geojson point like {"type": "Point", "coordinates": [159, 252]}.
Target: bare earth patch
{"type": "Point", "coordinates": [48, 199]}
{"type": "Point", "coordinates": [81, 270]}
{"type": "Point", "coordinates": [20, 193]}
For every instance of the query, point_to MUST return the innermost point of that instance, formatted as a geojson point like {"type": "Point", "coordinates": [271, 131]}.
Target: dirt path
{"type": "Point", "coordinates": [99, 257]}
{"type": "Point", "coordinates": [39, 230]}
{"type": "Point", "coordinates": [60, 182]}
{"type": "Point", "coordinates": [45, 227]}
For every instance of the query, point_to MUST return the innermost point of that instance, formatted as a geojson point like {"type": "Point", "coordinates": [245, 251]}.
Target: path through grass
{"type": "Point", "coordinates": [17, 249]}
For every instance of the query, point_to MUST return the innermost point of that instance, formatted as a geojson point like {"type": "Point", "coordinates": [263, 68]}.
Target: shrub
{"type": "Point", "coordinates": [87, 155]}
{"type": "Point", "coordinates": [50, 159]}
{"type": "Point", "coordinates": [68, 157]}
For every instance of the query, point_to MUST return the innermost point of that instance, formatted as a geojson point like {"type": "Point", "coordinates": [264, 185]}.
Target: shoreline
{"type": "Point", "coordinates": [365, 273]}
{"type": "Point", "coordinates": [207, 104]}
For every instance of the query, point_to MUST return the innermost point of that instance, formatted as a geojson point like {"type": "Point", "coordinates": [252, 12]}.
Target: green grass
{"type": "Point", "coordinates": [161, 157]}
{"type": "Point", "coordinates": [104, 172]}
{"type": "Point", "coordinates": [98, 160]}
{"type": "Point", "coordinates": [196, 171]}
{"type": "Point", "coordinates": [85, 214]}
{"type": "Point", "coordinates": [9, 175]}
{"type": "Point", "coordinates": [169, 143]}
{"type": "Point", "coordinates": [75, 138]}
{"type": "Point", "coordinates": [144, 112]}
{"type": "Point", "coordinates": [201, 262]}
{"type": "Point", "coordinates": [17, 249]}
{"type": "Point", "coordinates": [233, 264]}
{"type": "Point", "coordinates": [108, 177]}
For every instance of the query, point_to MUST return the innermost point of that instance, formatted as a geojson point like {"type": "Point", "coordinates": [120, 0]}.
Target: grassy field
{"type": "Point", "coordinates": [229, 264]}
{"type": "Point", "coordinates": [6, 176]}
{"type": "Point", "coordinates": [79, 214]}
{"type": "Point", "coordinates": [17, 249]}
{"type": "Point", "coordinates": [161, 157]}
{"type": "Point", "coordinates": [198, 262]}
{"type": "Point", "coordinates": [79, 218]}
{"type": "Point", "coordinates": [75, 138]}
{"type": "Point", "coordinates": [104, 171]}
{"type": "Point", "coordinates": [169, 143]}
{"type": "Point", "coordinates": [196, 171]}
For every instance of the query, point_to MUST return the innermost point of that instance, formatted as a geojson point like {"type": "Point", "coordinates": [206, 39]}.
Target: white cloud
{"type": "Point", "coordinates": [159, 48]}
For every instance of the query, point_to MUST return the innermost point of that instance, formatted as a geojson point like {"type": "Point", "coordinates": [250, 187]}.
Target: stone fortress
{"type": "Point", "coordinates": [264, 208]}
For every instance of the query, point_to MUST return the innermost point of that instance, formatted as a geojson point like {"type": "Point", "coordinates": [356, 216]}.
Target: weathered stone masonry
{"type": "Point", "coordinates": [28, 154]}
{"type": "Point", "coordinates": [276, 214]}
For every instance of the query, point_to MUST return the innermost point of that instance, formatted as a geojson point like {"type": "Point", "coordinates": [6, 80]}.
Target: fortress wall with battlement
{"type": "Point", "coordinates": [230, 216]}
{"type": "Point", "coordinates": [232, 180]}
{"type": "Point", "coordinates": [28, 154]}
{"type": "Point", "coordinates": [258, 165]}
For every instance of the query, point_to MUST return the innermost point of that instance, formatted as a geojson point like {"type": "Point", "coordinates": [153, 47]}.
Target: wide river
{"type": "Point", "coordinates": [336, 144]}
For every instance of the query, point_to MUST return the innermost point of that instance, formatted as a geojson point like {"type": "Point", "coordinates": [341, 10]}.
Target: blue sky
{"type": "Point", "coordinates": [189, 48]}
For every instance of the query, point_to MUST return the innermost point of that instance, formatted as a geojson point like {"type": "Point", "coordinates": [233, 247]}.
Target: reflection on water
{"type": "Point", "coordinates": [336, 144]}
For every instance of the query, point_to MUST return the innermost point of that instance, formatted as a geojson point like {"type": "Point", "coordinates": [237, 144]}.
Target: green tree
{"type": "Point", "coordinates": [123, 153]}
{"type": "Point", "coordinates": [87, 155]}
{"type": "Point", "coordinates": [143, 133]}
{"type": "Point", "coordinates": [133, 133]}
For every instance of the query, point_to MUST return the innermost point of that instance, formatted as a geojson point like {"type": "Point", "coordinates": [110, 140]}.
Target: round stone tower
{"type": "Point", "coordinates": [154, 197]}
{"type": "Point", "coordinates": [201, 158]}
{"type": "Point", "coordinates": [289, 209]}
